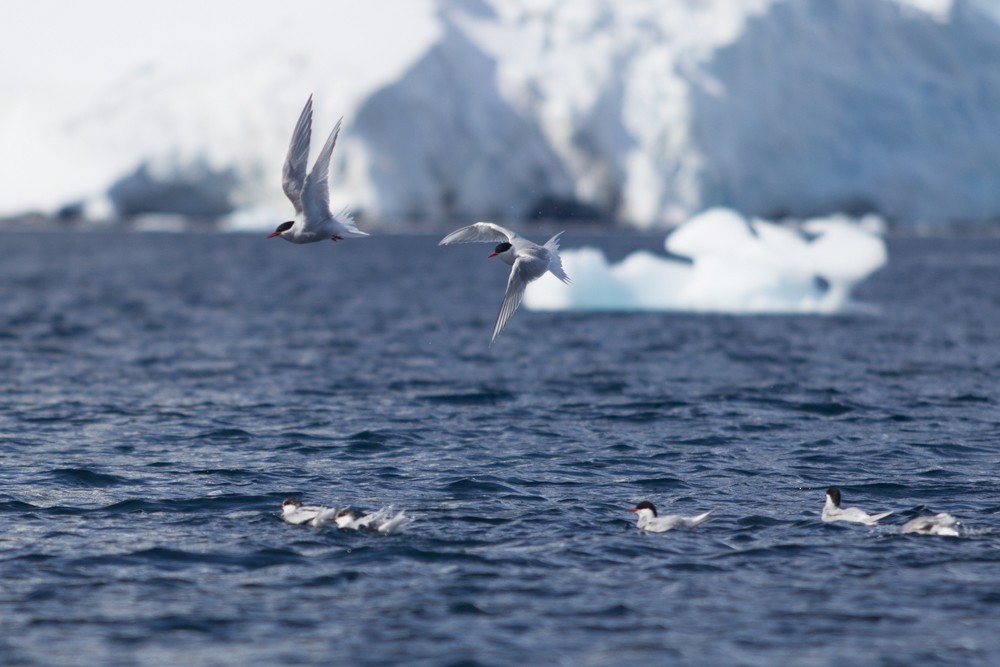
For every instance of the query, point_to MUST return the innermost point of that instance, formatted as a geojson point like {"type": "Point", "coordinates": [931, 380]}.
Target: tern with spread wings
{"type": "Point", "coordinates": [529, 261]}
{"type": "Point", "coordinates": [310, 194]}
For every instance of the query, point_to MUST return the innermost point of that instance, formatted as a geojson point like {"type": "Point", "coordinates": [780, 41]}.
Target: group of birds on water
{"type": "Point", "coordinates": [647, 518]}
{"type": "Point", "coordinates": [383, 521]}
{"type": "Point", "coordinates": [932, 524]}
{"type": "Point", "coordinates": [941, 523]}
{"type": "Point", "coordinates": [314, 221]}
{"type": "Point", "coordinates": [309, 193]}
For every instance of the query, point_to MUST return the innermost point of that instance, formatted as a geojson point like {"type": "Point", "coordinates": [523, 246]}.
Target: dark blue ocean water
{"type": "Point", "coordinates": [162, 393]}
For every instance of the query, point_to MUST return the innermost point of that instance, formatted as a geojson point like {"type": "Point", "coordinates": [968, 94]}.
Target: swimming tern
{"type": "Point", "coordinates": [650, 521]}
{"type": "Point", "coordinates": [832, 511]}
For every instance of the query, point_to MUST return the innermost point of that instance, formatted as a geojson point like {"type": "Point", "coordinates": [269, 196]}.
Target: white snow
{"type": "Point", "coordinates": [730, 264]}
{"type": "Point", "coordinates": [103, 87]}
{"type": "Point", "coordinates": [648, 111]}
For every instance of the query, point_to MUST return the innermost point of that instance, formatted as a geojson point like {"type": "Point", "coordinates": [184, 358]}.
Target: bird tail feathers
{"type": "Point", "coordinates": [695, 520]}
{"type": "Point", "coordinates": [555, 263]}
{"type": "Point", "coordinates": [347, 220]}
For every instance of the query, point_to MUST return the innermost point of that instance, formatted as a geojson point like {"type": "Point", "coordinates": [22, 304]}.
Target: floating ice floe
{"type": "Point", "coordinates": [723, 262]}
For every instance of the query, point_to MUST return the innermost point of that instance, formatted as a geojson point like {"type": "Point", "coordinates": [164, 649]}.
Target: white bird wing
{"type": "Point", "coordinates": [659, 524]}
{"type": "Point", "coordinates": [692, 521]}
{"type": "Point", "coordinates": [480, 232]}
{"type": "Point", "coordinates": [395, 524]}
{"type": "Point", "coordinates": [326, 514]}
{"type": "Point", "coordinates": [939, 524]}
{"type": "Point", "coordinates": [878, 517]}
{"type": "Point", "coordinates": [852, 514]}
{"type": "Point", "coordinates": [316, 193]}
{"type": "Point", "coordinates": [369, 520]}
{"type": "Point", "coordinates": [293, 175]}
{"type": "Point", "coordinates": [302, 515]}
{"type": "Point", "coordinates": [516, 284]}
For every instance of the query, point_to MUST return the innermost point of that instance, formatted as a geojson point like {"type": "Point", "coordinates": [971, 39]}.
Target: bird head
{"type": "Point", "coordinates": [645, 507]}
{"type": "Point", "coordinates": [500, 249]}
{"type": "Point", "coordinates": [281, 229]}
{"type": "Point", "coordinates": [290, 505]}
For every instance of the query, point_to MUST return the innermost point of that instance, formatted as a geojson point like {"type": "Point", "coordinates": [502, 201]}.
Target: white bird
{"type": "Point", "coordinates": [529, 261]}
{"type": "Point", "coordinates": [394, 524]}
{"type": "Point", "coordinates": [310, 194]}
{"type": "Point", "coordinates": [294, 512]}
{"type": "Point", "coordinates": [937, 524]}
{"type": "Point", "coordinates": [648, 519]}
{"type": "Point", "coordinates": [832, 511]}
{"type": "Point", "coordinates": [379, 521]}
{"type": "Point", "coordinates": [344, 519]}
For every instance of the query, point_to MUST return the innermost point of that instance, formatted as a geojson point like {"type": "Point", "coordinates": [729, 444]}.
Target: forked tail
{"type": "Point", "coordinates": [696, 520]}
{"type": "Point", "coordinates": [555, 261]}
{"type": "Point", "coordinates": [347, 220]}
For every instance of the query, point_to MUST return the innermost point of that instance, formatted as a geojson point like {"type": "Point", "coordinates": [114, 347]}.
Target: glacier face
{"type": "Point", "coordinates": [442, 143]}
{"type": "Point", "coordinates": [904, 121]}
{"type": "Point", "coordinates": [639, 110]}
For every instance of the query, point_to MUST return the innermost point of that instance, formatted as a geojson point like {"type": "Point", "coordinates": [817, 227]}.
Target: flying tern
{"type": "Point", "coordinates": [310, 193]}
{"type": "Point", "coordinates": [528, 261]}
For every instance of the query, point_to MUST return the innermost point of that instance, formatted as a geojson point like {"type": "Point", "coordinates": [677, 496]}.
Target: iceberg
{"type": "Point", "coordinates": [721, 262]}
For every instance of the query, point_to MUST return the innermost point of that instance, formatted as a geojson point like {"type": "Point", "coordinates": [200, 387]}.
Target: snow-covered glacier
{"type": "Point", "coordinates": [635, 110]}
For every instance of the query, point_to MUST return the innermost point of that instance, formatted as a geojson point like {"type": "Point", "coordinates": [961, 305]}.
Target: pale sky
{"type": "Point", "coordinates": [86, 45]}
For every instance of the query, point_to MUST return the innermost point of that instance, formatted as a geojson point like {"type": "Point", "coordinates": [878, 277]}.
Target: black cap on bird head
{"type": "Point", "coordinates": [834, 494]}
{"type": "Point", "coordinates": [283, 227]}
{"type": "Point", "coordinates": [500, 249]}
{"type": "Point", "coordinates": [644, 505]}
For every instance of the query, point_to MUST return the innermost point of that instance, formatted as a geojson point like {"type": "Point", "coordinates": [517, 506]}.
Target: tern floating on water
{"type": "Point", "coordinates": [382, 521]}
{"type": "Point", "coordinates": [294, 512]}
{"type": "Point", "coordinates": [937, 524]}
{"type": "Point", "coordinates": [832, 511]}
{"type": "Point", "coordinates": [310, 194]}
{"type": "Point", "coordinates": [529, 261]}
{"type": "Point", "coordinates": [649, 521]}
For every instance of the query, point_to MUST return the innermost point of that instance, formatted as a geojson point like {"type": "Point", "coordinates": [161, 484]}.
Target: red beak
{"type": "Point", "coordinates": [633, 510]}
{"type": "Point", "coordinates": [492, 254]}
{"type": "Point", "coordinates": [273, 234]}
